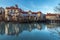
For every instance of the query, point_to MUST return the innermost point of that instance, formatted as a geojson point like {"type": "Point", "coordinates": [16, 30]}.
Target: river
{"type": "Point", "coordinates": [29, 31]}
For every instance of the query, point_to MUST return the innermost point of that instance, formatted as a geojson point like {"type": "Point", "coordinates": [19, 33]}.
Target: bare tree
{"type": "Point", "coordinates": [57, 8]}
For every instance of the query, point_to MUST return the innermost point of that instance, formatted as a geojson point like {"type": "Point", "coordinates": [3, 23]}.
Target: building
{"type": "Point", "coordinates": [53, 17]}
{"type": "Point", "coordinates": [29, 16]}
{"type": "Point", "coordinates": [14, 13]}
{"type": "Point", "coordinates": [2, 11]}
{"type": "Point", "coordinates": [50, 16]}
{"type": "Point", "coordinates": [35, 16]}
{"type": "Point", "coordinates": [23, 17]}
{"type": "Point", "coordinates": [11, 13]}
{"type": "Point", "coordinates": [39, 16]}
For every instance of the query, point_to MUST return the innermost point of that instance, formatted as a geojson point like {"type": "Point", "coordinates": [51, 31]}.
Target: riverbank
{"type": "Point", "coordinates": [42, 21]}
{"type": "Point", "coordinates": [24, 21]}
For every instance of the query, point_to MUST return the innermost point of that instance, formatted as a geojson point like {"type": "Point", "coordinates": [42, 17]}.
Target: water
{"type": "Point", "coordinates": [29, 31]}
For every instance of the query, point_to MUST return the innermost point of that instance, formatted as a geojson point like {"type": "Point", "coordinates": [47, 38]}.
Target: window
{"type": "Point", "coordinates": [59, 16]}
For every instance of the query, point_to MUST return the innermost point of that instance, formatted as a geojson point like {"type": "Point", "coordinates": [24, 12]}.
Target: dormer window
{"type": "Point", "coordinates": [29, 12]}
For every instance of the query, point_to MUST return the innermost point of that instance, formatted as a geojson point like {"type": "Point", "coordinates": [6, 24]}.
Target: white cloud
{"type": "Point", "coordinates": [48, 9]}
{"type": "Point", "coordinates": [44, 8]}
{"type": "Point", "coordinates": [23, 7]}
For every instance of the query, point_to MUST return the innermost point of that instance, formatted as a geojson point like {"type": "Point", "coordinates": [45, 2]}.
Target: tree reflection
{"type": "Point", "coordinates": [16, 28]}
{"type": "Point", "coordinates": [54, 28]}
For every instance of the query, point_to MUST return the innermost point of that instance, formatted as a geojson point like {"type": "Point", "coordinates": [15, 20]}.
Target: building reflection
{"type": "Point", "coordinates": [54, 28]}
{"type": "Point", "coordinates": [17, 28]}
{"type": "Point", "coordinates": [11, 29]}
{"type": "Point", "coordinates": [2, 28]}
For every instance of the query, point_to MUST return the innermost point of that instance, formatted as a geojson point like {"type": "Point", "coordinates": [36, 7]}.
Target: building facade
{"type": "Point", "coordinates": [53, 17]}
{"type": "Point", "coordinates": [11, 13]}
{"type": "Point", "coordinates": [2, 11]}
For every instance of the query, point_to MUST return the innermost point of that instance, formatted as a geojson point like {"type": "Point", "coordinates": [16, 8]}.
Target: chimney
{"type": "Point", "coordinates": [16, 6]}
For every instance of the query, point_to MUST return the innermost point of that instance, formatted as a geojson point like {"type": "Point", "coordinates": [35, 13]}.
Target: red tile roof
{"type": "Point", "coordinates": [24, 12]}
{"type": "Point", "coordinates": [39, 12]}
{"type": "Point", "coordinates": [36, 13]}
{"type": "Point", "coordinates": [51, 14]}
{"type": "Point", "coordinates": [12, 7]}
{"type": "Point", "coordinates": [20, 10]}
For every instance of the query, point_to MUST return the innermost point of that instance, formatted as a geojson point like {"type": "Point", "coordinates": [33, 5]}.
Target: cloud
{"type": "Point", "coordinates": [23, 7]}
{"type": "Point", "coordinates": [43, 8]}
{"type": "Point", "coordinates": [32, 5]}
{"type": "Point", "coordinates": [47, 9]}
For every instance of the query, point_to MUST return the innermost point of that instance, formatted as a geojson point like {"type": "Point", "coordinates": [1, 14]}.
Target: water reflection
{"type": "Point", "coordinates": [29, 31]}
{"type": "Point", "coordinates": [16, 28]}
{"type": "Point", "coordinates": [54, 28]}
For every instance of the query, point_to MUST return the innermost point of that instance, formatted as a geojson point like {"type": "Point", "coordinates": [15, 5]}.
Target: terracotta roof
{"type": "Point", "coordinates": [20, 10]}
{"type": "Point", "coordinates": [34, 12]}
{"type": "Point", "coordinates": [27, 12]}
{"type": "Point", "coordinates": [52, 14]}
{"type": "Point", "coordinates": [12, 7]}
{"type": "Point", "coordinates": [39, 12]}
{"type": "Point", "coordinates": [24, 12]}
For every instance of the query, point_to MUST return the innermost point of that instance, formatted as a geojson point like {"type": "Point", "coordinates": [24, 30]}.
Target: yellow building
{"type": "Point", "coordinates": [50, 16]}
{"type": "Point", "coordinates": [34, 16]}
{"type": "Point", "coordinates": [39, 15]}
{"type": "Point", "coordinates": [12, 11]}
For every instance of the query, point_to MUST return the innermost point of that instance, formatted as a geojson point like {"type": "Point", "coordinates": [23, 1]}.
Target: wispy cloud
{"type": "Point", "coordinates": [23, 7]}
{"type": "Point", "coordinates": [47, 9]}
{"type": "Point", "coordinates": [34, 5]}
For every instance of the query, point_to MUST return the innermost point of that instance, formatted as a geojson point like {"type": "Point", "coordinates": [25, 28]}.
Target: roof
{"type": "Point", "coordinates": [24, 12]}
{"type": "Point", "coordinates": [20, 10]}
{"type": "Point", "coordinates": [51, 14]}
{"type": "Point", "coordinates": [39, 12]}
{"type": "Point", "coordinates": [36, 12]}
{"type": "Point", "coordinates": [12, 7]}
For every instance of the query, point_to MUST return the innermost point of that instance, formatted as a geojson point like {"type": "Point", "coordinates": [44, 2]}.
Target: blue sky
{"type": "Point", "coordinates": [44, 6]}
